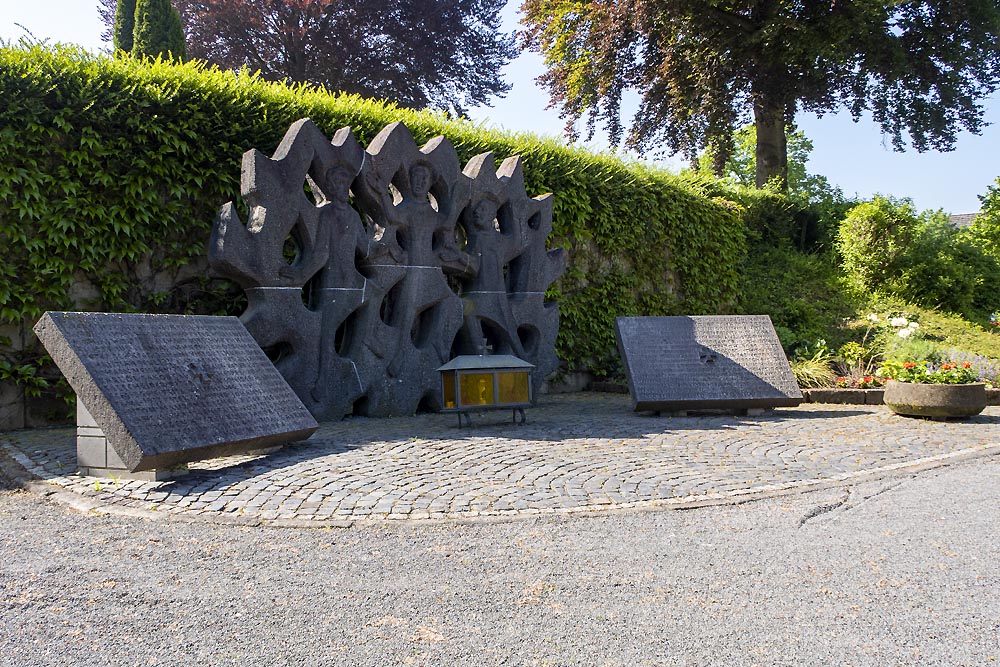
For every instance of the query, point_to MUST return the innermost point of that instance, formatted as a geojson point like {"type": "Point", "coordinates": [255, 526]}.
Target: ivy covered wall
{"type": "Point", "coordinates": [111, 171]}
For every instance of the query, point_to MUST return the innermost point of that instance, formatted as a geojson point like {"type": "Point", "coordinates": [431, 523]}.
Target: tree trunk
{"type": "Point", "coordinates": [772, 152]}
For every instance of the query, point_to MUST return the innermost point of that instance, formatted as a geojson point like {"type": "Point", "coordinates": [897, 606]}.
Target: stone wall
{"type": "Point", "coordinates": [20, 410]}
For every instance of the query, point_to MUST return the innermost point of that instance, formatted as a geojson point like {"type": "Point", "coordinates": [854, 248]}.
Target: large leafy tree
{"type": "Point", "coordinates": [705, 67]}
{"type": "Point", "coordinates": [417, 53]}
{"type": "Point", "coordinates": [741, 166]}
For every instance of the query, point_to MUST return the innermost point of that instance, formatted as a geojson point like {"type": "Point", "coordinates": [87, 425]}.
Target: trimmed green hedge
{"type": "Point", "coordinates": [111, 171]}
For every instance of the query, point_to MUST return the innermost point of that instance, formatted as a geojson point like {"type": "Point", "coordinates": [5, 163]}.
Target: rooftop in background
{"type": "Point", "coordinates": [962, 219]}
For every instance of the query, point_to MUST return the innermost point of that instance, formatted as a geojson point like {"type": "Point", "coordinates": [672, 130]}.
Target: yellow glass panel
{"type": "Point", "coordinates": [513, 387]}
{"type": "Point", "coordinates": [476, 389]}
{"type": "Point", "coordinates": [448, 389]}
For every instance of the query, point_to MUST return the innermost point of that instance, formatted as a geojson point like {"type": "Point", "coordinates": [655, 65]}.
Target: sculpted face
{"type": "Point", "coordinates": [341, 179]}
{"type": "Point", "coordinates": [420, 180]}
{"type": "Point", "coordinates": [483, 214]}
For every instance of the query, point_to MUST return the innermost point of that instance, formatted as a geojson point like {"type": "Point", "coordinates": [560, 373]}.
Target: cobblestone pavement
{"type": "Point", "coordinates": [577, 453]}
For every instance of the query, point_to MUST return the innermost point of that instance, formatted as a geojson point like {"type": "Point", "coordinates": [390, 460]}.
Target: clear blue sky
{"type": "Point", "coordinates": [854, 156]}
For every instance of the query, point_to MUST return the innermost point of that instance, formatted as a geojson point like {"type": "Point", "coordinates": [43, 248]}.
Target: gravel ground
{"type": "Point", "coordinates": [901, 571]}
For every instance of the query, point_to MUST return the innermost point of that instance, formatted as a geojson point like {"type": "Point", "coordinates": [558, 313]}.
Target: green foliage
{"type": "Point", "coordinates": [26, 375]}
{"type": "Point", "coordinates": [928, 373]}
{"type": "Point", "coordinates": [814, 371]}
{"type": "Point", "coordinates": [740, 168]}
{"type": "Point", "coordinates": [158, 32]}
{"type": "Point", "coordinates": [812, 208]}
{"type": "Point", "coordinates": [949, 331]}
{"type": "Point", "coordinates": [124, 27]}
{"type": "Point", "coordinates": [111, 170]}
{"type": "Point", "coordinates": [915, 349]}
{"type": "Point", "coordinates": [705, 67]}
{"type": "Point", "coordinates": [883, 335]}
{"type": "Point", "coordinates": [887, 248]}
{"type": "Point", "coordinates": [985, 229]}
{"type": "Point", "coordinates": [872, 241]}
{"type": "Point", "coordinates": [947, 269]}
{"type": "Point", "coordinates": [801, 292]}
{"type": "Point", "coordinates": [902, 332]}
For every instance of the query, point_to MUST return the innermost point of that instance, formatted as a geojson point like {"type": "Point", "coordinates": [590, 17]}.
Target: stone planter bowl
{"type": "Point", "coordinates": [935, 400]}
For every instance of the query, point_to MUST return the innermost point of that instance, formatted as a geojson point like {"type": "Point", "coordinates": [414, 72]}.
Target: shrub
{"type": "Point", "coordinates": [801, 292]}
{"type": "Point", "coordinates": [887, 248]}
{"type": "Point", "coordinates": [873, 240]}
{"type": "Point", "coordinates": [815, 370]}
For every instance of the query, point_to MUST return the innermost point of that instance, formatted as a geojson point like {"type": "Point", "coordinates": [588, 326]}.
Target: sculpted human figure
{"type": "Point", "coordinates": [348, 238]}
{"type": "Point", "coordinates": [485, 293]}
{"type": "Point", "coordinates": [338, 292]}
{"type": "Point", "coordinates": [415, 222]}
{"type": "Point", "coordinates": [413, 196]}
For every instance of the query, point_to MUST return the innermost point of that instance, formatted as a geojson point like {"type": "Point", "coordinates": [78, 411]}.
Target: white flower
{"type": "Point", "coordinates": [913, 325]}
{"type": "Point", "coordinates": [873, 317]}
{"type": "Point", "coordinates": [898, 322]}
{"type": "Point", "coordinates": [904, 333]}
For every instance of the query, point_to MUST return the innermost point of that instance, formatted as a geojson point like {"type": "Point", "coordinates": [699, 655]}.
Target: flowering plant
{"type": "Point", "coordinates": [988, 369]}
{"type": "Point", "coordinates": [861, 382]}
{"type": "Point", "coordinates": [883, 334]}
{"type": "Point", "coordinates": [928, 373]}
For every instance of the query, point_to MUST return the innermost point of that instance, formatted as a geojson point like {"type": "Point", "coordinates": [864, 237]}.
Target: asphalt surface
{"type": "Point", "coordinates": [900, 571]}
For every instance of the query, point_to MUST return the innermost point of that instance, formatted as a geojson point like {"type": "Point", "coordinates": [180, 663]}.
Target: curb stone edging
{"type": "Point", "coordinates": [866, 396]}
{"type": "Point", "coordinates": [843, 396]}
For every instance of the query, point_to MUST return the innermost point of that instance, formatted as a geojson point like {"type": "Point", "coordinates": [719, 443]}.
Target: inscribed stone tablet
{"type": "Point", "coordinates": [168, 389]}
{"type": "Point", "coordinates": [705, 362]}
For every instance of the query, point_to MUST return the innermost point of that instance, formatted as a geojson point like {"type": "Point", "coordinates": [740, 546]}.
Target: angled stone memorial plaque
{"type": "Point", "coordinates": [679, 364]}
{"type": "Point", "coordinates": [164, 390]}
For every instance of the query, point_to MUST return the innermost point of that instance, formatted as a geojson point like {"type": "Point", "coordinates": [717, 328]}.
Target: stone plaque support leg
{"type": "Point", "coordinates": [95, 458]}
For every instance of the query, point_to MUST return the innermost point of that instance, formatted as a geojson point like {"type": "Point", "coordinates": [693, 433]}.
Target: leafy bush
{"type": "Point", "coordinates": [873, 240]}
{"type": "Point", "coordinates": [801, 292]}
{"type": "Point", "coordinates": [889, 249]}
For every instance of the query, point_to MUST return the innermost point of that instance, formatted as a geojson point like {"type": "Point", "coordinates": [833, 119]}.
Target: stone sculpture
{"type": "Point", "coordinates": [398, 262]}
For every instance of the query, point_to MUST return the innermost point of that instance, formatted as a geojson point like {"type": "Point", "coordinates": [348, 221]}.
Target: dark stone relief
{"type": "Point", "coordinates": [367, 270]}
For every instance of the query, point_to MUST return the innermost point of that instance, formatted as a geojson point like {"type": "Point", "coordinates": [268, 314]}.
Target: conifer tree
{"type": "Point", "coordinates": [158, 30]}
{"type": "Point", "coordinates": [124, 25]}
